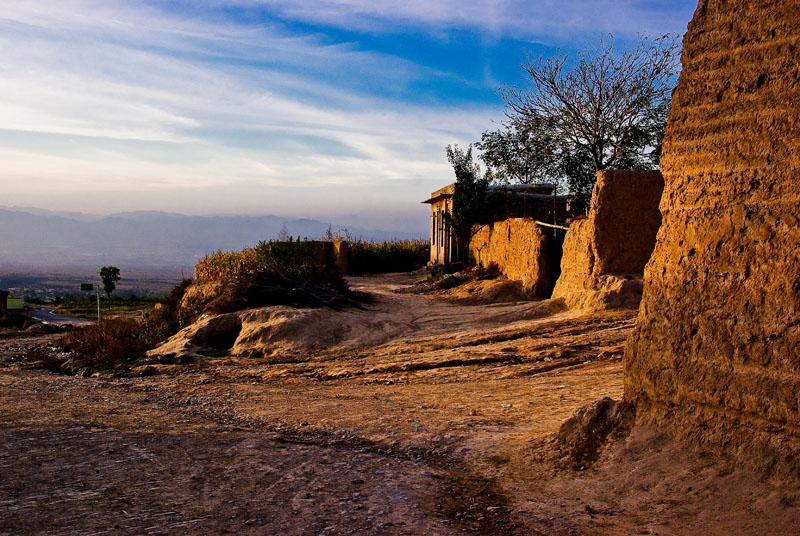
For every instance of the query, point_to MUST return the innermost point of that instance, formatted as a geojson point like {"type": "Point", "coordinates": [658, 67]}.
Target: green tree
{"type": "Point", "coordinates": [521, 153]}
{"type": "Point", "coordinates": [109, 275]}
{"type": "Point", "coordinates": [577, 168]}
{"type": "Point", "coordinates": [470, 200]}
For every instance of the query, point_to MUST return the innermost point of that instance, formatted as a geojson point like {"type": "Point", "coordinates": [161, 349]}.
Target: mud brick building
{"type": "Point", "coordinates": [534, 201]}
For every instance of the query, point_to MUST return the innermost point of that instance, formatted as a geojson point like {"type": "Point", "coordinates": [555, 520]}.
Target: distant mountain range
{"type": "Point", "coordinates": [41, 238]}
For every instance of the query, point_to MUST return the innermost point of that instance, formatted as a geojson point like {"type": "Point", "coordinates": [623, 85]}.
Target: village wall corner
{"type": "Point", "coordinates": [604, 255]}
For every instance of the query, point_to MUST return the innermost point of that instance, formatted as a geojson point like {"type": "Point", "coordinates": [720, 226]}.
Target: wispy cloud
{"type": "Point", "coordinates": [112, 105]}
{"type": "Point", "coordinates": [538, 19]}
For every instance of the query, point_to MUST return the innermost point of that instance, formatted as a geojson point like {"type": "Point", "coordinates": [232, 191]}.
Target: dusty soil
{"type": "Point", "coordinates": [445, 425]}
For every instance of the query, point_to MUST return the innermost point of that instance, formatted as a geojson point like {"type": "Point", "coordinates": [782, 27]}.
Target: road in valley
{"type": "Point", "coordinates": [46, 315]}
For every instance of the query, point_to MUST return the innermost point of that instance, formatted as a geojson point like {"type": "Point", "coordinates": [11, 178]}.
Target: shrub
{"type": "Point", "coordinates": [447, 281]}
{"type": "Point", "coordinates": [293, 286]}
{"type": "Point", "coordinates": [17, 321]}
{"type": "Point", "coordinates": [293, 273]}
{"type": "Point", "coordinates": [390, 256]}
{"type": "Point", "coordinates": [266, 256]}
{"type": "Point", "coordinates": [169, 309]}
{"type": "Point", "coordinates": [113, 344]}
{"type": "Point", "coordinates": [105, 345]}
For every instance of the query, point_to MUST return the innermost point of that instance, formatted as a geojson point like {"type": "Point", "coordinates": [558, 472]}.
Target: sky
{"type": "Point", "coordinates": [332, 109]}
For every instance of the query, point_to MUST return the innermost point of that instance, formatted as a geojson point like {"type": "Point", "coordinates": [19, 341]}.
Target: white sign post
{"type": "Point", "coordinates": [88, 287]}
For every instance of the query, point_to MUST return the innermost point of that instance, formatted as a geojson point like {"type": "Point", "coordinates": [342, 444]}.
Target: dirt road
{"type": "Point", "coordinates": [436, 427]}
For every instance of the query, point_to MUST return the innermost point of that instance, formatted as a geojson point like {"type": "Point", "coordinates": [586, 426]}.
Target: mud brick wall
{"type": "Point", "coordinates": [715, 355]}
{"type": "Point", "coordinates": [522, 250]}
{"type": "Point", "coordinates": [605, 254]}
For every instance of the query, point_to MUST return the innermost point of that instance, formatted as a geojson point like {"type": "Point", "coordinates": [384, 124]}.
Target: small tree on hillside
{"type": "Point", "coordinates": [605, 107]}
{"type": "Point", "coordinates": [109, 275]}
{"type": "Point", "coordinates": [470, 203]}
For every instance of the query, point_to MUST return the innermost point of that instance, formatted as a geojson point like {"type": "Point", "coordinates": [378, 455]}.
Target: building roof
{"type": "Point", "coordinates": [442, 193]}
{"type": "Point", "coordinates": [543, 196]}
{"type": "Point", "coordinates": [544, 189]}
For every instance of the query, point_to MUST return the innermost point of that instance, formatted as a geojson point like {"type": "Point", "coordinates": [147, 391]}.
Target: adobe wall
{"type": "Point", "coordinates": [330, 254]}
{"type": "Point", "coordinates": [605, 254]}
{"type": "Point", "coordinates": [715, 355]}
{"type": "Point", "coordinates": [522, 250]}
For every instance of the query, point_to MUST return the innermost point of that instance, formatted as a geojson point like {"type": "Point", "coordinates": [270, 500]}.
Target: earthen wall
{"type": "Point", "coordinates": [605, 254]}
{"type": "Point", "coordinates": [715, 355]}
{"type": "Point", "coordinates": [522, 250]}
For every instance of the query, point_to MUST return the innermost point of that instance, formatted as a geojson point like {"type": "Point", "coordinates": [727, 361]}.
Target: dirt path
{"type": "Point", "coordinates": [96, 456]}
{"type": "Point", "coordinates": [432, 428]}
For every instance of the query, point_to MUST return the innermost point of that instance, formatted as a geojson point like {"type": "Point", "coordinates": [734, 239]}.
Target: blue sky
{"type": "Point", "coordinates": [333, 109]}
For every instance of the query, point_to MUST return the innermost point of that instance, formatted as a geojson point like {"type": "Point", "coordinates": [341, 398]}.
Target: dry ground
{"type": "Point", "coordinates": [443, 426]}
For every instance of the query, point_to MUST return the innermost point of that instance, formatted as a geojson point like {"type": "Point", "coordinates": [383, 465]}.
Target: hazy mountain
{"type": "Point", "coordinates": [80, 216]}
{"type": "Point", "coordinates": [155, 239]}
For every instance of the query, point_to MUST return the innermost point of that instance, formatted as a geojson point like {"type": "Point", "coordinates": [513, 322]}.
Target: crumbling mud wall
{"type": "Point", "coordinates": [715, 355]}
{"type": "Point", "coordinates": [605, 254]}
{"type": "Point", "coordinates": [522, 250]}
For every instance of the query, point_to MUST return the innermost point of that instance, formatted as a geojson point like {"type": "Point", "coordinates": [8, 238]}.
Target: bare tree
{"type": "Point", "coordinates": [604, 104]}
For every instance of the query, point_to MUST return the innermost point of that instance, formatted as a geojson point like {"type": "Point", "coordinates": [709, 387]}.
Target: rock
{"type": "Point", "coordinates": [208, 332]}
{"type": "Point", "coordinates": [715, 356]}
{"type": "Point", "coordinates": [605, 254]}
{"type": "Point", "coordinates": [283, 332]}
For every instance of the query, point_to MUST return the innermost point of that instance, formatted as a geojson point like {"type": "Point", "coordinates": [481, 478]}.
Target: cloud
{"type": "Point", "coordinates": [188, 107]}
{"type": "Point", "coordinates": [109, 74]}
{"type": "Point", "coordinates": [540, 19]}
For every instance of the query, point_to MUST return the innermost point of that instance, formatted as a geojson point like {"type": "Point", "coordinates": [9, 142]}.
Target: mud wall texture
{"type": "Point", "coordinates": [715, 355]}
{"type": "Point", "coordinates": [605, 254]}
{"type": "Point", "coordinates": [522, 250]}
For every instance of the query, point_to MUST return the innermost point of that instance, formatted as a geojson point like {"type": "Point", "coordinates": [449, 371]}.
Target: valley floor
{"type": "Point", "coordinates": [438, 421]}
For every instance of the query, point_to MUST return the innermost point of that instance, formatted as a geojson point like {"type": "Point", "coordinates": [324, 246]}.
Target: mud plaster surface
{"type": "Point", "coordinates": [716, 353]}
{"type": "Point", "coordinates": [522, 250]}
{"type": "Point", "coordinates": [605, 254]}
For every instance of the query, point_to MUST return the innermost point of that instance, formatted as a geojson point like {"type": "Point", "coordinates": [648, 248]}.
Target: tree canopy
{"type": "Point", "coordinates": [109, 275]}
{"type": "Point", "coordinates": [522, 153]}
{"type": "Point", "coordinates": [470, 203]}
{"type": "Point", "coordinates": [599, 110]}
